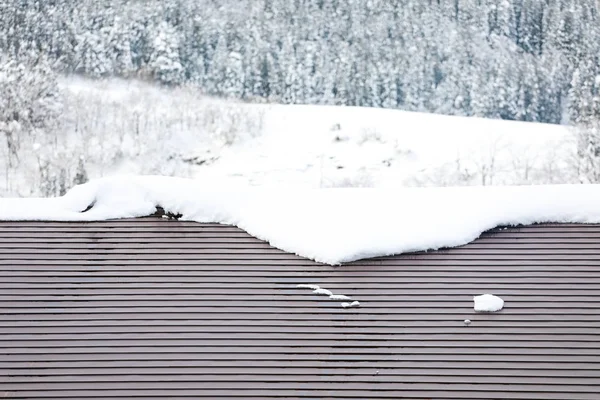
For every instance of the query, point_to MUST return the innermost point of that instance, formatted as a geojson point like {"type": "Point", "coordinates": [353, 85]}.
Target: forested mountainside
{"type": "Point", "coordinates": [530, 60]}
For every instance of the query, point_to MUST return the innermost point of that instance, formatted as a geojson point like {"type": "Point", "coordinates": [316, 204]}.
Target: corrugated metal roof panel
{"type": "Point", "coordinates": [150, 308]}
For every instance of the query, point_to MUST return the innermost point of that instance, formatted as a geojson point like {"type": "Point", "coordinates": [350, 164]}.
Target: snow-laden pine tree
{"type": "Point", "coordinates": [164, 59]}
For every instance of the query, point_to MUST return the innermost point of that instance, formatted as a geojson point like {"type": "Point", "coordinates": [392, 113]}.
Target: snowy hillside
{"type": "Point", "coordinates": [320, 146]}
{"type": "Point", "coordinates": [115, 127]}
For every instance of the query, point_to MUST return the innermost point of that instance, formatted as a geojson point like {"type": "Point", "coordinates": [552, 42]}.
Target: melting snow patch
{"type": "Point", "coordinates": [305, 286]}
{"type": "Point", "coordinates": [488, 303]}
{"type": "Point", "coordinates": [323, 291]}
{"type": "Point", "coordinates": [339, 297]}
{"type": "Point", "coordinates": [316, 289]}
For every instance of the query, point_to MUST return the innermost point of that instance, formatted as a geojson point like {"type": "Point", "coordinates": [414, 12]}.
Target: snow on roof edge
{"type": "Point", "coordinates": [327, 225]}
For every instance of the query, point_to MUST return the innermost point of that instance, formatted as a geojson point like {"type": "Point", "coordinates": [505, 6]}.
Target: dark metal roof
{"type": "Point", "coordinates": [151, 308]}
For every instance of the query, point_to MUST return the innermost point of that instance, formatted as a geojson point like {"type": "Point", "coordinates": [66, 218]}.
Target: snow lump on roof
{"type": "Point", "coordinates": [488, 303]}
{"type": "Point", "coordinates": [326, 225]}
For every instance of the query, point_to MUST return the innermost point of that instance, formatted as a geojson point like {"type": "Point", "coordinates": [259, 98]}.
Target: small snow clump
{"type": "Point", "coordinates": [488, 303]}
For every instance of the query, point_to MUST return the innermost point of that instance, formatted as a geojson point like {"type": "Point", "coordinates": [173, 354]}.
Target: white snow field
{"type": "Point", "coordinates": [130, 127]}
{"type": "Point", "coordinates": [327, 225]}
{"type": "Point", "coordinates": [328, 146]}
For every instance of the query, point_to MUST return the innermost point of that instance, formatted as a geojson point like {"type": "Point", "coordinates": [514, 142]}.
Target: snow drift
{"type": "Point", "coordinates": [326, 225]}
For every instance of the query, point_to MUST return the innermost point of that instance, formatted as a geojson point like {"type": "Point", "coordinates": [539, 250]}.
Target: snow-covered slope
{"type": "Point", "coordinates": [133, 127]}
{"type": "Point", "coordinates": [325, 146]}
{"type": "Point", "coordinates": [129, 127]}
{"type": "Point", "coordinates": [328, 225]}
{"type": "Point", "coordinates": [319, 146]}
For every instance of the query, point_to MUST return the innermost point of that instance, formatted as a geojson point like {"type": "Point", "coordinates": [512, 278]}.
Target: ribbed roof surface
{"type": "Point", "coordinates": [151, 308]}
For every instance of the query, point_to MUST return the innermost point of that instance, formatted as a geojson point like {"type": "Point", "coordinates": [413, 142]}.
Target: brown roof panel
{"type": "Point", "coordinates": [150, 308]}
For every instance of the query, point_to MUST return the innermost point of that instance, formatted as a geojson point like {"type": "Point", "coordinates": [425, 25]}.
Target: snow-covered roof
{"type": "Point", "coordinates": [326, 225]}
